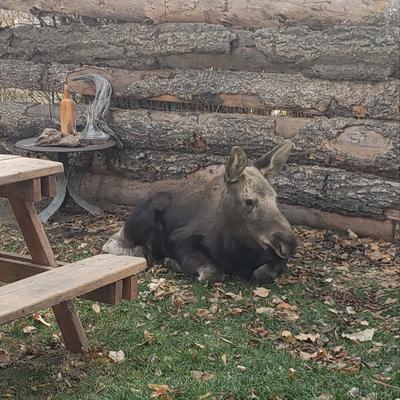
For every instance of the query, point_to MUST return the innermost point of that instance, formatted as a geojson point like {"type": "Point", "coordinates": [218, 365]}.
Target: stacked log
{"type": "Point", "coordinates": [186, 91]}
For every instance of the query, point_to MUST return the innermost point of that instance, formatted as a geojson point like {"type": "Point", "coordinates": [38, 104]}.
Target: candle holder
{"type": "Point", "coordinates": [97, 130]}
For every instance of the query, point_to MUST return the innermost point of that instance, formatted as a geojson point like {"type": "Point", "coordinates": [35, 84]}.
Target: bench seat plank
{"type": "Point", "coordinates": [52, 287]}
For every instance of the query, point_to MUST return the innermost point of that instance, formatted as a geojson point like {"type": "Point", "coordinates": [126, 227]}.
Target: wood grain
{"type": "Point", "coordinates": [64, 283]}
{"type": "Point", "coordinates": [19, 169]}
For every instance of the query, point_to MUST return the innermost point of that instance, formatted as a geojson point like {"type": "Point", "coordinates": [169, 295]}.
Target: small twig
{"type": "Point", "coordinates": [385, 384]}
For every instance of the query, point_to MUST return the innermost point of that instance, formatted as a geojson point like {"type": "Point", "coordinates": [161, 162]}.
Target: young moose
{"type": "Point", "coordinates": [231, 225]}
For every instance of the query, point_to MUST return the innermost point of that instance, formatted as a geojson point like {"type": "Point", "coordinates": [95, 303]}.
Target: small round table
{"type": "Point", "coordinates": [63, 181]}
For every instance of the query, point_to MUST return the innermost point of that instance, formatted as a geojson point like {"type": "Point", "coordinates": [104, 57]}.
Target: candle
{"type": "Point", "coordinates": [67, 113]}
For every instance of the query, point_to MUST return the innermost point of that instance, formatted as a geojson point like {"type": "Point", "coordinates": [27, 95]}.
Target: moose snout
{"type": "Point", "coordinates": [284, 243]}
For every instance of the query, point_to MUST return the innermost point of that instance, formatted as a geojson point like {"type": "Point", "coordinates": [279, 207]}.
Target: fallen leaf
{"type": "Point", "coordinates": [307, 356]}
{"type": "Point", "coordinates": [360, 336]}
{"type": "Point", "coordinates": [289, 338]}
{"type": "Point", "coordinates": [350, 310]}
{"type": "Point", "coordinates": [261, 292]}
{"type": "Point", "coordinates": [116, 356]}
{"type": "Point", "coordinates": [39, 318]}
{"type": "Point", "coordinates": [160, 391]}
{"type": "Point", "coordinates": [241, 368]}
{"type": "Point", "coordinates": [4, 357]}
{"type": "Point", "coordinates": [307, 337]}
{"type": "Point", "coordinates": [325, 396]}
{"type": "Point", "coordinates": [292, 373]}
{"type": "Point", "coordinates": [202, 312]}
{"type": "Point", "coordinates": [354, 392]}
{"type": "Point", "coordinates": [224, 359]}
{"type": "Point", "coordinates": [96, 308]}
{"type": "Point", "coordinates": [202, 375]}
{"type": "Point", "coordinates": [264, 310]}
{"type": "Point", "coordinates": [148, 337]}
{"type": "Point", "coordinates": [259, 331]}
{"type": "Point", "coordinates": [352, 235]}
{"type": "Point", "coordinates": [286, 311]}
{"type": "Point", "coordinates": [235, 311]}
{"type": "Point", "coordinates": [383, 378]}
{"type": "Point", "coordinates": [390, 300]}
{"type": "Point", "coordinates": [200, 346]}
{"type": "Point", "coordinates": [28, 329]}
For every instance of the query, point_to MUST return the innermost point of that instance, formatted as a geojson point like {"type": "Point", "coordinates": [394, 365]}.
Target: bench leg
{"type": "Point", "coordinates": [41, 252]}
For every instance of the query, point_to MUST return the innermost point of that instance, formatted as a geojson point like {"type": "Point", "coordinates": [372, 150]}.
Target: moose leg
{"type": "Point", "coordinates": [270, 269]}
{"type": "Point", "coordinates": [193, 261]}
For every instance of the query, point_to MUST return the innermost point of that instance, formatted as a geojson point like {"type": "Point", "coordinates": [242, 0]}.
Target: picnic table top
{"type": "Point", "coordinates": [16, 169]}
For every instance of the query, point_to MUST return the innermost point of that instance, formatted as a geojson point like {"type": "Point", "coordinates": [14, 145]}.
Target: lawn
{"type": "Point", "coordinates": [184, 340]}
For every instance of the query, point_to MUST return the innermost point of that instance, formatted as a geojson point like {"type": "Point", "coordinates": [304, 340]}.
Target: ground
{"type": "Point", "coordinates": [183, 340]}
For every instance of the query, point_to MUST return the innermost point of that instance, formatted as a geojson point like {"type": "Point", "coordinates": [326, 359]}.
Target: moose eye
{"type": "Point", "coordinates": [249, 203]}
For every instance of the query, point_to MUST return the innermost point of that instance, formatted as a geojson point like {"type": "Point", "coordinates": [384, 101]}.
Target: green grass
{"type": "Point", "coordinates": [182, 342]}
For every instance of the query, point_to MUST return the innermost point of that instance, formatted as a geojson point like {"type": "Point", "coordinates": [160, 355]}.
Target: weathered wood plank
{"type": "Point", "coordinates": [14, 267]}
{"type": "Point", "coordinates": [64, 283]}
{"type": "Point", "coordinates": [252, 13]}
{"type": "Point", "coordinates": [41, 252]}
{"type": "Point", "coordinates": [28, 190]}
{"type": "Point", "coordinates": [339, 52]}
{"type": "Point", "coordinates": [22, 169]}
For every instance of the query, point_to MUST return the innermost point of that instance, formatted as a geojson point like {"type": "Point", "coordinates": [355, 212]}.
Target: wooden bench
{"type": "Point", "coordinates": [39, 281]}
{"type": "Point", "coordinates": [64, 283]}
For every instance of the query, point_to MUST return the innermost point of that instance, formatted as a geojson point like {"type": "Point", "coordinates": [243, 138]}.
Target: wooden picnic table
{"type": "Point", "coordinates": [34, 282]}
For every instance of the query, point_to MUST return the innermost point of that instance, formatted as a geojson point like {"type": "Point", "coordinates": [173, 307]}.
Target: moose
{"type": "Point", "coordinates": [230, 225]}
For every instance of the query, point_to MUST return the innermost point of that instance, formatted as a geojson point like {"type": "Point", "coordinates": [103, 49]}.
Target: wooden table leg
{"type": "Point", "coordinates": [41, 252]}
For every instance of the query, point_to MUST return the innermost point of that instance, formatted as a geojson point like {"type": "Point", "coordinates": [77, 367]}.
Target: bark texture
{"type": "Point", "coordinates": [358, 145]}
{"type": "Point", "coordinates": [340, 52]}
{"type": "Point", "coordinates": [253, 13]}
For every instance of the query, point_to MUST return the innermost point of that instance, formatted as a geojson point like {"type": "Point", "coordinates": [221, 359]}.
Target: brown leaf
{"type": "Point", "coordinates": [160, 391]}
{"type": "Point", "coordinates": [235, 311]}
{"type": "Point", "coordinates": [202, 312]}
{"type": "Point", "coordinates": [286, 311]}
{"type": "Point", "coordinates": [307, 356]}
{"type": "Point", "coordinates": [261, 292]}
{"type": "Point", "coordinates": [202, 375]}
{"type": "Point", "coordinates": [4, 357]}
{"type": "Point", "coordinates": [39, 318]}
{"type": "Point", "coordinates": [259, 331]}
{"type": "Point", "coordinates": [307, 337]}
{"type": "Point", "coordinates": [148, 337]}
{"type": "Point", "coordinates": [289, 338]}
{"type": "Point", "coordinates": [383, 378]}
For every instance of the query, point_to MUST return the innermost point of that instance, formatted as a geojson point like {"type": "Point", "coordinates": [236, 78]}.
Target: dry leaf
{"type": "Point", "coordinates": [205, 396]}
{"type": "Point", "coordinates": [289, 338]}
{"type": "Point", "coordinates": [264, 310]}
{"type": "Point", "coordinates": [360, 336]}
{"type": "Point", "coordinates": [116, 356]}
{"type": "Point", "coordinates": [224, 359]}
{"type": "Point", "coordinates": [202, 312]}
{"type": "Point", "coordinates": [96, 308]}
{"type": "Point", "coordinates": [200, 346]}
{"type": "Point", "coordinates": [160, 391]}
{"type": "Point", "coordinates": [307, 356]}
{"type": "Point", "coordinates": [148, 337]}
{"type": "Point", "coordinates": [286, 311]}
{"type": "Point", "coordinates": [307, 337]}
{"type": "Point", "coordinates": [259, 331]}
{"type": "Point", "coordinates": [235, 311]}
{"type": "Point", "coordinates": [352, 235]}
{"type": "Point", "coordinates": [241, 368]}
{"type": "Point", "coordinates": [4, 357]}
{"type": "Point", "coordinates": [261, 292]}
{"type": "Point", "coordinates": [202, 375]}
{"type": "Point", "coordinates": [39, 318]}
{"type": "Point", "coordinates": [383, 378]}
{"type": "Point", "coordinates": [292, 373]}
{"type": "Point", "coordinates": [29, 329]}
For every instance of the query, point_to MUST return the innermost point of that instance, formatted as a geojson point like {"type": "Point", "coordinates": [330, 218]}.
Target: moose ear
{"type": "Point", "coordinates": [236, 164]}
{"type": "Point", "coordinates": [271, 164]}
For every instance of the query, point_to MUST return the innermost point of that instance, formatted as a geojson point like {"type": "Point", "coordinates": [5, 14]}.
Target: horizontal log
{"type": "Point", "coordinates": [378, 100]}
{"type": "Point", "coordinates": [339, 52]}
{"type": "Point", "coordinates": [121, 190]}
{"type": "Point", "coordinates": [358, 145]}
{"type": "Point", "coordinates": [252, 13]}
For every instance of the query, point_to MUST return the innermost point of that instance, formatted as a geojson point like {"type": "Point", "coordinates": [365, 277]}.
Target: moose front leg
{"type": "Point", "coordinates": [193, 261]}
{"type": "Point", "coordinates": [271, 268]}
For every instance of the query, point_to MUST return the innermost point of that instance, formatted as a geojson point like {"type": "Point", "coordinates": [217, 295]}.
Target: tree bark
{"type": "Point", "coordinates": [253, 13]}
{"type": "Point", "coordinates": [358, 145]}
{"type": "Point", "coordinates": [340, 52]}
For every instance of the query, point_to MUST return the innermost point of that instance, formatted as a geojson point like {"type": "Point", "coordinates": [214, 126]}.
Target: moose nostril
{"type": "Point", "coordinates": [285, 244]}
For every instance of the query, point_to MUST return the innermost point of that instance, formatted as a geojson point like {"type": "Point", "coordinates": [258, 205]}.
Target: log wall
{"type": "Point", "coordinates": [188, 85]}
